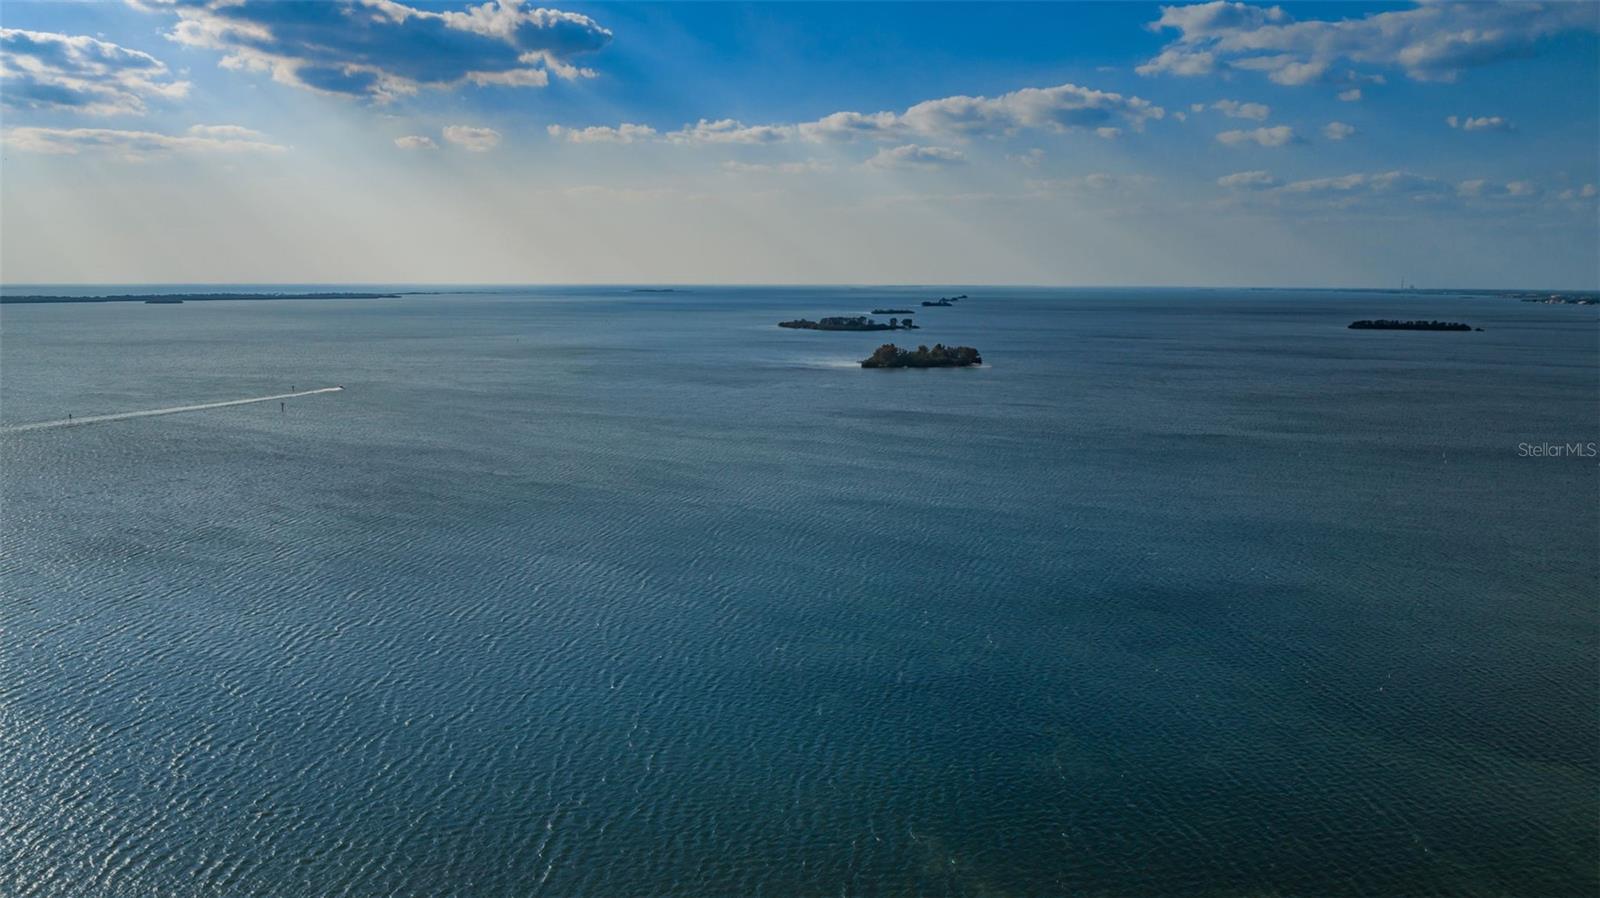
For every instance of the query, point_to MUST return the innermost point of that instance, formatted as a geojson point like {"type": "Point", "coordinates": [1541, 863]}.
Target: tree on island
{"type": "Point", "coordinates": [940, 356]}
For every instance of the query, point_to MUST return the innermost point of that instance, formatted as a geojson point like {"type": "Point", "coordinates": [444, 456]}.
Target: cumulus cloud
{"type": "Point", "coordinates": [913, 156]}
{"type": "Point", "coordinates": [1248, 180]}
{"type": "Point", "coordinates": [1058, 108]}
{"type": "Point", "coordinates": [138, 144]}
{"type": "Point", "coordinates": [1065, 107]}
{"type": "Point", "coordinates": [1236, 109]}
{"type": "Point", "coordinates": [1350, 96]}
{"type": "Point", "coordinates": [1431, 42]}
{"type": "Point", "coordinates": [623, 133]}
{"type": "Point", "coordinates": [1275, 136]}
{"type": "Point", "coordinates": [1338, 130]}
{"type": "Point", "coordinates": [730, 131]}
{"type": "Point", "coordinates": [1586, 192]}
{"type": "Point", "coordinates": [415, 142]}
{"type": "Point", "coordinates": [43, 70]}
{"type": "Point", "coordinates": [1182, 62]}
{"type": "Point", "coordinates": [1478, 123]}
{"type": "Point", "coordinates": [382, 49]}
{"type": "Point", "coordinates": [476, 140]}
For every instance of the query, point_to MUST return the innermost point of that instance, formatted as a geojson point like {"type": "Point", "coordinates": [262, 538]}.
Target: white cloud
{"type": "Point", "coordinates": [1058, 108]}
{"type": "Point", "coordinates": [1184, 63]}
{"type": "Point", "coordinates": [476, 140]}
{"type": "Point", "coordinates": [1064, 107]}
{"type": "Point", "coordinates": [1338, 130]}
{"type": "Point", "coordinates": [809, 166]}
{"type": "Point", "coordinates": [730, 131]}
{"type": "Point", "coordinates": [382, 49]}
{"type": "Point", "coordinates": [1481, 188]}
{"type": "Point", "coordinates": [1108, 133]}
{"type": "Point", "coordinates": [1478, 123]}
{"type": "Point", "coordinates": [1236, 109]}
{"type": "Point", "coordinates": [1350, 96]}
{"type": "Point", "coordinates": [138, 144]}
{"type": "Point", "coordinates": [415, 142]}
{"type": "Point", "coordinates": [1248, 180]}
{"type": "Point", "coordinates": [1431, 42]}
{"type": "Point", "coordinates": [850, 125]}
{"type": "Point", "coordinates": [912, 156]}
{"type": "Point", "coordinates": [623, 133]}
{"type": "Point", "coordinates": [1275, 136]}
{"type": "Point", "coordinates": [1391, 183]}
{"type": "Point", "coordinates": [1586, 192]}
{"type": "Point", "coordinates": [1375, 190]}
{"type": "Point", "coordinates": [44, 70]}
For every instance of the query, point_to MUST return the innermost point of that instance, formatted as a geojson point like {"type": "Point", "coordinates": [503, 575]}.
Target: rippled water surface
{"type": "Point", "coordinates": [597, 593]}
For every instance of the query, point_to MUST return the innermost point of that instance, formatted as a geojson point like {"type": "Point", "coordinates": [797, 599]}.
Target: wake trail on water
{"type": "Point", "coordinates": [174, 410]}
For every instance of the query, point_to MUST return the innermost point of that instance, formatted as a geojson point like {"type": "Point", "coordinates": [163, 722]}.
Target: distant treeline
{"type": "Point", "coordinates": [1385, 324]}
{"type": "Point", "coordinates": [181, 297]}
{"type": "Point", "coordinates": [851, 323]}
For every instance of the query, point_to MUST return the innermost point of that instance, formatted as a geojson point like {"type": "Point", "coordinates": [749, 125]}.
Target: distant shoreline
{"type": "Point", "coordinates": [165, 298]}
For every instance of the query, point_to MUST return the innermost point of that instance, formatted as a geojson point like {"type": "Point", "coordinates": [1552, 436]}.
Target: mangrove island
{"type": "Point", "coordinates": [940, 356]}
{"type": "Point", "coordinates": [893, 311]}
{"type": "Point", "coordinates": [852, 323]}
{"type": "Point", "coordinates": [1385, 324]}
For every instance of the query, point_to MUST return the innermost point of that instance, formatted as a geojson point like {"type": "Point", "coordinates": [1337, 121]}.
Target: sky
{"type": "Point", "coordinates": [1220, 143]}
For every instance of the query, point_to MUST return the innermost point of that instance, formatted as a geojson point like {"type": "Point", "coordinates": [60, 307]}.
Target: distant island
{"type": "Point", "coordinates": [653, 290]}
{"type": "Point", "coordinates": [944, 300]}
{"type": "Point", "coordinates": [164, 298]}
{"type": "Point", "coordinates": [893, 311]}
{"type": "Point", "coordinates": [940, 356]}
{"type": "Point", "coordinates": [852, 323]}
{"type": "Point", "coordinates": [1385, 324]}
{"type": "Point", "coordinates": [163, 301]}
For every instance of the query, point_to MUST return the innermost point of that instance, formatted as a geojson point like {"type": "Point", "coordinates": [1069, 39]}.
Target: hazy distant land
{"type": "Point", "coordinates": [189, 297]}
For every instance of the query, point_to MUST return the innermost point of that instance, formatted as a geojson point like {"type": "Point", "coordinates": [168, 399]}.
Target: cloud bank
{"type": "Point", "coordinates": [1432, 42]}
{"type": "Point", "coordinates": [382, 49]}
{"type": "Point", "coordinates": [43, 70]}
{"type": "Point", "coordinates": [138, 144]}
{"type": "Point", "coordinates": [1065, 107]}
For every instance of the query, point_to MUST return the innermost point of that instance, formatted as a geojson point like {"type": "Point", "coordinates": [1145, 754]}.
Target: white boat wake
{"type": "Point", "coordinates": [151, 413]}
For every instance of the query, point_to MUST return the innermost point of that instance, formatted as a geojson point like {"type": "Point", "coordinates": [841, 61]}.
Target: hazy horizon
{"type": "Point", "coordinates": [486, 285]}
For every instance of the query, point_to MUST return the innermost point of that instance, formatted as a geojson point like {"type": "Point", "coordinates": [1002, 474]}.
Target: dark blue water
{"type": "Point", "coordinates": [591, 593]}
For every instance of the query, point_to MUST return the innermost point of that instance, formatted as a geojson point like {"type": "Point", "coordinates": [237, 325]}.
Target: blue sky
{"type": "Point", "coordinates": [1107, 143]}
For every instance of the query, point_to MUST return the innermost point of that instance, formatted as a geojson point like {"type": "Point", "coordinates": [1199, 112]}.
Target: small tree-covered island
{"type": "Point", "coordinates": [893, 311]}
{"type": "Point", "coordinates": [850, 323]}
{"type": "Point", "coordinates": [1385, 324]}
{"type": "Point", "coordinates": [940, 356]}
